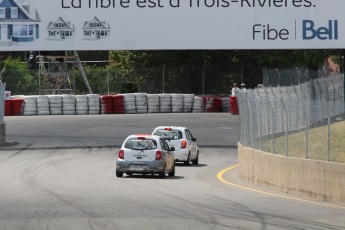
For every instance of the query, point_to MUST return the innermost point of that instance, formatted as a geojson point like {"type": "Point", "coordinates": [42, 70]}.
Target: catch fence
{"type": "Point", "coordinates": [304, 121]}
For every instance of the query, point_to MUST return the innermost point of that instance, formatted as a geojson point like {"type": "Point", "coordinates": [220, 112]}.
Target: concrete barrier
{"type": "Point", "coordinates": [310, 178]}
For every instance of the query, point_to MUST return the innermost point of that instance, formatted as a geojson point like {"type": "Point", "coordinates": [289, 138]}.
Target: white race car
{"type": "Point", "coordinates": [182, 140]}
{"type": "Point", "coordinates": [145, 154]}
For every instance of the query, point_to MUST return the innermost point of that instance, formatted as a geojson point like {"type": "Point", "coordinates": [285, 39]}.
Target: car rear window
{"type": "Point", "coordinates": [137, 144]}
{"type": "Point", "coordinates": [169, 134]}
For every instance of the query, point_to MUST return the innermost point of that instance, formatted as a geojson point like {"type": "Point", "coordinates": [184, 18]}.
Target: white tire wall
{"type": "Point", "coordinates": [188, 100]}
{"type": "Point", "coordinates": [43, 105]}
{"type": "Point", "coordinates": [153, 103]}
{"type": "Point", "coordinates": [68, 104]}
{"type": "Point", "coordinates": [198, 104]}
{"type": "Point", "coordinates": [81, 105]}
{"type": "Point", "coordinates": [129, 103]}
{"type": "Point", "coordinates": [141, 102]}
{"type": "Point", "coordinates": [177, 103]}
{"type": "Point", "coordinates": [93, 104]}
{"type": "Point", "coordinates": [30, 105]}
{"type": "Point", "coordinates": [165, 103]}
{"type": "Point", "coordinates": [55, 104]}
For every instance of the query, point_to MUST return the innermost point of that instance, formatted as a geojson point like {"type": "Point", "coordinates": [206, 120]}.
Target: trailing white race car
{"type": "Point", "coordinates": [182, 140]}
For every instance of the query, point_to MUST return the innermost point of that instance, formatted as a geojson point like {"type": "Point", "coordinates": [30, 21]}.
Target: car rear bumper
{"type": "Point", "coordinates": [144, 166]}
{"type": "Point", "coordinates": [181, 155]}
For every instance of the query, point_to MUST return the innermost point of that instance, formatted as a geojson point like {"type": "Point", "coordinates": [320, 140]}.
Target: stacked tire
{"type": "Point", "coordinates": [177, 103]}
{"type": "Point", "coordinates": [17, 106]}
{"type": "Point", "coordinates": [43, 105]}
{"type": "Point", "coordinates": [188, 100]}
{"type": "Point", "coordinates": [153, 103]}
{"type": "Point", "coordinates": [8, 108]}
{"type": "Point", "coordinates": [225, 104]}
{"type": "Point", "coordinates": [107, 104]}
{"type": "Point", "coordinates": [233, 105]}
{"type": "Point", "coordinates": [119, 106]}
{"type": "Point", "coordinates": [81, 105]}
{"type": "Point", "coordinates": [93, 104]}
{"type": "Point", "coordinates": [141, 102]}
{"type": "Point", "coordinates": [213, 104]}
{"type": "Point", "coordinates": [68, 104]}
{"type": "Point", "coordinates": [129, 103]}
{"type": "Point", "coordinates": [165, 103]}
{"type": "Point", "coordinates": [30, 105]}
{"type": "Point", "coordinates": [199, 104]}
{"type": "Point", "coordinates": [55, 104]}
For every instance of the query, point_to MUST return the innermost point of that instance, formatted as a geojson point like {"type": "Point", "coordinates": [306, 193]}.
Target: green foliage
{"type": "Point", "coordinates": [18, 78]}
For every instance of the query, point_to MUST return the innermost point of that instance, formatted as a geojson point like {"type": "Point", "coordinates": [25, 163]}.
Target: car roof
{"type": "Point", "coordinates": [172, 127]}
{"type": "Point", "coordinates": [149, 136]}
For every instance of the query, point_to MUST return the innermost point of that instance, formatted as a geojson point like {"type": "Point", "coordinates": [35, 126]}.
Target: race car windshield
{"type": "Point", "coordinates": [169, 134]}
{"type": "Point", "coordinates": [136, 144]}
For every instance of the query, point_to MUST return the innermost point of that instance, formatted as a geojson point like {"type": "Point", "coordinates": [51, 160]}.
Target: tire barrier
{"type": "Point", "coordinates": [8, 108]}
{"type": "Point", "coordinates": [233, 105]}
{"type": "Point", "coordinates": [93, 104]}
{"type": "Point", "coordinates": [188, 100]}
{"type": "Point", "coordinates": [55, 104]}
{"type": "Point", "coordinates": [68, 104]}
{"type": "Point", "coordinates": [129, 103]}
{"type": "Point", "coordinates": [199, 104]}
{"type": "Point", "coordinates": [141, 102]}
{"type": "Point", "coordinates": [14, 107]}
{"type": "Point", "coordinates": [177, 103]}
{"type": "Point", "coordinates": [225, 104]}
{"type": "Point", "coordinates": [30, 105]}
{"type": "Point", "coordinates": [118, 102]}
{"type": "Point", "coordinates": [132, 103]}
{"type": "Point", "coordinates": [43, 105]}
{"type": "Point", "coordinates": [165, 103]}
{"type": "Point", "coordinates": [107, 104]}
{"type": "Point", "coordinates": [81, 105]}
{"type": "Point", "coordinates": [153, 103]}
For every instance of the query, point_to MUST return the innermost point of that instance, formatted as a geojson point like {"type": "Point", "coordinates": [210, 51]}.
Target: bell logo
{"type": "Point", "coordinates": [328, 32]}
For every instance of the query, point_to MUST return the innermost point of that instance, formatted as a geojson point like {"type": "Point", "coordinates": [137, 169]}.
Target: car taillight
{"type": "Point", "coordinates": [121, 154]}
{"type": "Point", "coordinates": [183, 144]}
{"type": "Point", "coordinates": [159, 155]}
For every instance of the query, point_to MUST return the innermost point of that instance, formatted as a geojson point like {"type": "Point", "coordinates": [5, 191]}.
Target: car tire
{"type": "Point", "coordinates": [119, 174]}
{"type": "Point", "coordinates": [196, 160]}
{"type": "Point", "coordinates": [163, 174]}
{"type": "Point", "coordinates": [172, 173]}
{"type": "Point", "coordinates": [187, 162]}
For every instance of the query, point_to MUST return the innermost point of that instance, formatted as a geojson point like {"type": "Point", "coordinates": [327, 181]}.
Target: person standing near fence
{"type": "Point", "coordinates": [233, 90]}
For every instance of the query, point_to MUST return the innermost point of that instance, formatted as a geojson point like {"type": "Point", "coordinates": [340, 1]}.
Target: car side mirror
{"type": "Point", "coordinates": [172, 148]}
{"type": "Point", "coordinates": [193, 139]}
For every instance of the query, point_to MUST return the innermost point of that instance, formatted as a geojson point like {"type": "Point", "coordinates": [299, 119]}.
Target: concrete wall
{"type": "Point", "coordinates": [315, 179]}
{"type": "Point", "coordinates": [2, 133]}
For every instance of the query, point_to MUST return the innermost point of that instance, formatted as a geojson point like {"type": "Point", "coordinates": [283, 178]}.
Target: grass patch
{"type": "Point", "coordinates": [317, 143]}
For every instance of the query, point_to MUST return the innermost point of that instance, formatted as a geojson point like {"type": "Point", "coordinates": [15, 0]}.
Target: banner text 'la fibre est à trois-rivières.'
{"type": "Point", "coordinates": [171, 24]}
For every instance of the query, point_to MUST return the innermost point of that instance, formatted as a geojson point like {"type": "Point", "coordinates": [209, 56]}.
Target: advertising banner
{"type": "Point", "coordinates": [171, 24]}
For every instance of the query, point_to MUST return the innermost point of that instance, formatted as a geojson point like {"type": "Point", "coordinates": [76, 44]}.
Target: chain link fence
{"type": "Point", "coordinates": [163, 79]}
{"type": "Point", "coordinates": [304, 120]}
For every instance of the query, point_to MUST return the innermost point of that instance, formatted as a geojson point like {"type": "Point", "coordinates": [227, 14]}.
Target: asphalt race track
{"type": "Point", "coordinates": [58, 172]}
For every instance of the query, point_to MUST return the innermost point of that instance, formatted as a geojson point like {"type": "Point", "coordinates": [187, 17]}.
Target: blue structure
{"type": "Point", "coordinates": [19, 22]}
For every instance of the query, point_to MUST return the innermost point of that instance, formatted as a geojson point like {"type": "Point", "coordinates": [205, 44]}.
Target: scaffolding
{"type": "Point", "coordinates": [55, 72]}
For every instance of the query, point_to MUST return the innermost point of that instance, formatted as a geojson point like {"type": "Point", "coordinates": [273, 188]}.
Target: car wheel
{"type": "Point", "coordinates": [163, 174]}
{"type": "Point", "coordinates": [187, 162]}
{"type": "Point", "coordinates": [172, 173]}
{"type": "Point", "coordinates": [196, 160]}
{"type": "Point", "coordinates": [119, 174]}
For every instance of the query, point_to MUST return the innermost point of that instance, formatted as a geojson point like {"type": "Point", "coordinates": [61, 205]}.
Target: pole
{"type": "Point", "coordinates": [163, 76]}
